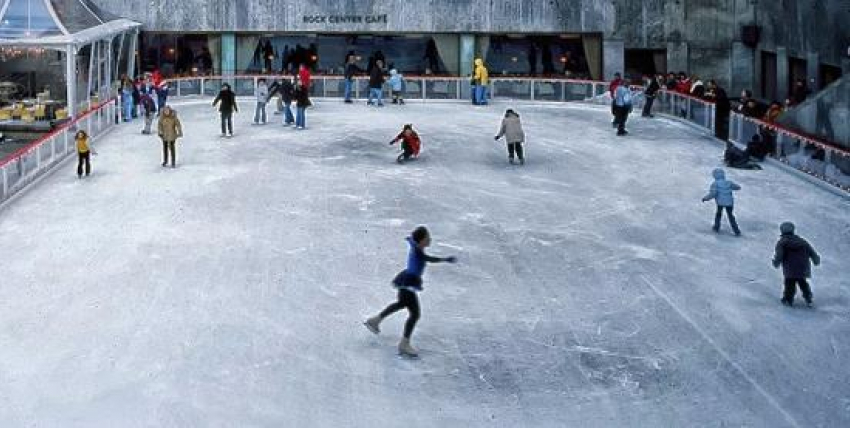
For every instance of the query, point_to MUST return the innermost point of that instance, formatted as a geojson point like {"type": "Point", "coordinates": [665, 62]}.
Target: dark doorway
{"type": "Point", "coordinates": [797, 71]}
{"type": "Point", "coordinates": [644, 62]}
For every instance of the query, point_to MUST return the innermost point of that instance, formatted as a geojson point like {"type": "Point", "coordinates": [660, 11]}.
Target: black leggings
{"type": "Point", "coordinates": [83, 160]}
{"type": "Point", "coordinates": [406, 299]}
{"type": "Point", "coordinates": [226, 123]}
{"type": "Point", "coordinates": [514, 147]}
{"type": "Point", "coordinates": [729, 212]}
{"type": "Point", "coordinates": [168, 146]}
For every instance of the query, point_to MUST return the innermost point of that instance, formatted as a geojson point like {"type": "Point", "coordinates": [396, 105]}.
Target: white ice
{"type": "Point", "coordinates": [590, 290]}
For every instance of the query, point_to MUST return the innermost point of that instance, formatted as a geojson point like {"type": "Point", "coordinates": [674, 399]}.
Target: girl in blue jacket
{"type": "Point", "coordinates": [721, 191]}
{"type": "Point", "coordinates": [409, 282]}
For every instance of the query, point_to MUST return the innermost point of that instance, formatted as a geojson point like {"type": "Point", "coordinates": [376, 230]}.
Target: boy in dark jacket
{"type": "Point", "coordinates": [794, 254]}
{"type": "Point", "coordinates": [409, 282]}
{"type": "Point", "coordinates": [228, 106]}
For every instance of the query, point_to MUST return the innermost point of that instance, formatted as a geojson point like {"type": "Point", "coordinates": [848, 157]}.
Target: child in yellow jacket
{"type": "Point", "coordinates": [84, 152]}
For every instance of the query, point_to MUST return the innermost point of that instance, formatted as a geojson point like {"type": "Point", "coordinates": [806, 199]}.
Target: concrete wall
{"type": "Point", "coordinates": [701, 36]}
{"type": "Point", "coordinates": [825, 115]}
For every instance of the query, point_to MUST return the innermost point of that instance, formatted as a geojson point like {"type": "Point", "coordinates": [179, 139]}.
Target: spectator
{"type": "Point", "coordinates": [697, 87]}
{"type": "Point", "coordinates": [671, 82]}
{"type": "Point", "coordinates": [746, 95]}
{"type": "Point", "coordinates": [722, 108]}
{"type": "Point", "coordinates": [650, 93]}
{"type": "Point", "coordinates": [683, 84]}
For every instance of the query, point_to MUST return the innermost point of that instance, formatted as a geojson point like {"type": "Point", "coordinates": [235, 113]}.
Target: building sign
{"type": "Point", "coordinates": [345, 19]}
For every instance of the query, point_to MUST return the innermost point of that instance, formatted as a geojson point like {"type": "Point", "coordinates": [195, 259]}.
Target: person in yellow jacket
{"type": "Point", "coordinates": [481, 79]}
{"type": "Point", "coordinates": [170, 130]}
{"type": "Point", "coordinates": [84, 152]}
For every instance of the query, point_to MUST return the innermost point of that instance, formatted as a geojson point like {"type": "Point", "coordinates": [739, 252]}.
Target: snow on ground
{"type": "Point", "coordinates": [590, 289]}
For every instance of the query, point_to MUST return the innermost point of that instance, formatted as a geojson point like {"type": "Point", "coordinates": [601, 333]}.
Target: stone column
{"type": "Point", "coordinates": [613, 57]}
{"type": "Point", "coordinates": [228, 54]}
{"type": "Point", "coordinates": [743, 69]}
{"type": "Point", "coordinates": [813, 70]}
{"type": "Point", "coordinates": [677, 57]}
{"type": "Point", "coordinates": [782, 73]}
{"type": "Point", "coordinates": [466, 54]}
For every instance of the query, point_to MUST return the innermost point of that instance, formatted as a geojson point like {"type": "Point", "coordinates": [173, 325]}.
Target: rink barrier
{"type": "Point", "coordinates": [793, 148]}
{"type": "Point", "coordinates": [808, 154]}
{"type": "Point", "coordinates": [30, 162]}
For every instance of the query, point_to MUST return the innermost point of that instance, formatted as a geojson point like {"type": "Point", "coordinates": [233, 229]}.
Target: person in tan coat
{"type": "Point", "coordinates": [512, 131]}
{"type": "Point", "coordinates": [170, 130]}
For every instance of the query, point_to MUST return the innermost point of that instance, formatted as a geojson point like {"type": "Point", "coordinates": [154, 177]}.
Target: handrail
{"type": "Point", "coordinates": [27, 149]}
{"type": "Point", "coordinates": [406, 76]}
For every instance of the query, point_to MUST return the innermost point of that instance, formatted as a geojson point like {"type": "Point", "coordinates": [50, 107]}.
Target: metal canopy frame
{"type": "Point", "coordinates": [71, 43]}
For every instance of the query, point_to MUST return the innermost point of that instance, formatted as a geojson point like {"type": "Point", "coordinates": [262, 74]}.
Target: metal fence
{"type": "Point", "coordinates": [27, 164]}
{"type": "Point", "coordinates": [824, 160]}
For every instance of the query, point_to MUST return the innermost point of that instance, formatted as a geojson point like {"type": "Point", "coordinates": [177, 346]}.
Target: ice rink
{"type": "Point", "coordinates": [590, 290]}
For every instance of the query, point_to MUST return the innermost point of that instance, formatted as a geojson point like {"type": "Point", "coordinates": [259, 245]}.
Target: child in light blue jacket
{"type": "Point", "coordinates": [397, 86]}
{"type": "Point", "coordinates": [721, 191]}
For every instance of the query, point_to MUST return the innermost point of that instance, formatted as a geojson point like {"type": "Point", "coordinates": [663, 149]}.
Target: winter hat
{"type": "Point", "coordinates": [787, 228]}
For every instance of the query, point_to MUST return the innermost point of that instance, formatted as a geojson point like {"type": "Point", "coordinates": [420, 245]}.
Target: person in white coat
{"type": "Point", "coordinates": [511, 129]}
{"type": "Point", "coordinates": [262, 94]}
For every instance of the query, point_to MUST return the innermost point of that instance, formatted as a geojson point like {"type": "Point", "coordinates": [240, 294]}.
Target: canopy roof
{"type": "Point", "coordinates": [56, 23]}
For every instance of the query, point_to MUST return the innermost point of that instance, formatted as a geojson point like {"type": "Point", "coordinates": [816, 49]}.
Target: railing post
{"type": "Point", "coordinates": [178, 88]}
{"type": "Point", "coordinates": [5, 182]}
{"type": "Point", "coordinates": [324, 87]}
{"type": "Point", "coordinates": [457, 89]}
{"type": "Point", "coordinates": [424, 93]}
{"type": "Point", "coordinates": [356, 82]}
{"type": "Point", "coordinates": [532, 89]}
{"type": "Point", "coordinates": [203, 82]}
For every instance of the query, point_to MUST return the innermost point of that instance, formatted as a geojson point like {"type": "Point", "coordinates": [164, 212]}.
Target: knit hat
{"type": "Point", "coordinates": [786, 228]}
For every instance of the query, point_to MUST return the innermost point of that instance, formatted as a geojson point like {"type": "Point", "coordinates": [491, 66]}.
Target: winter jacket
{"type": "Point", "coordinates": [721, 190]}
{"type": "Point", "coordinates": [351, 70]}
{"type": "Point", "coordinates": [653, 88]}
{"type": "Point", "coordinates": [612, 87]}
{"type": "Point", "coordinates": [83, 146]}
{"type": "Point", "coordinates": [284, 89]}
{"type": "Point", "coordinates": [482, 76]}
{"type": "Point", "coordinates": [412, 141]}
{"type": "Point", "coordinates": [169, 127]}
{"type": "Point", "coordinates": [396, 80]}
{"type": "Point", "coordinates": [684, 86]}
{"type": "Point", "coordinates": [304, 77]}
{"type": "Point", "coordinates": [228, 101]}
{"type": "Point", "coordinates": [148, 104]}
{"type": "Point", "coordinates": [795, 254]}
{"type": "Point", "coordinates": [512, 130]}
{"type": "Point", "coordinates": [302, 97]}
{"type": "Point", "coordinates": [376, 78]}
{"type": "Point", "coordinates": [623, 96]}
{"type": "Point", "coordinates": [262, 93]}
{"type": "Point", "coordinates": [698, 89]}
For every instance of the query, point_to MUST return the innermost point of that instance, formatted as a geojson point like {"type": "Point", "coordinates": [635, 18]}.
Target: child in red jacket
{"type": "Point", "coordinates": [410, 143]}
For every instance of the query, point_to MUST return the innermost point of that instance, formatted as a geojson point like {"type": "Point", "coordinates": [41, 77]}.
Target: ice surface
{"type": "Point", "coordinates": [590, 290]}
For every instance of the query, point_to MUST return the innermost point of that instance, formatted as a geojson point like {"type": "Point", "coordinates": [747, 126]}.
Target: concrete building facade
{"type": "Point", "coordinates": [806, 39]}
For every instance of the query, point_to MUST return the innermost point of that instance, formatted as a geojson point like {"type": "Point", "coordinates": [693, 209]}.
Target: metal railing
{"type": "Point", "coordinates": [35, 159]}
{"type": "Point", "coordinates": [811, 155]}
{"type": "Point", "coordinates": [416, 87]}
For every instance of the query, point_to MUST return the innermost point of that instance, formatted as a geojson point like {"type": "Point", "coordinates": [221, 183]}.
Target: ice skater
{"type": "Point", "coordinates": [228, 106]}
{"type": "Point", "coordinates": [409, 282]}
{"type": "Point", "coordinates": [149, 108]}
{"type": "Point", "coordinates": [622, 107]}
{"type": "Point", "coordinates": [261, 92]}
{"type": "Point", "coordinates": [795, 255]}
{"type": "Point", "coordinates": [284, 90]}
{"type": "Point", "coordinates": [170, 130]}
{"type": "Point", "coordinates": [512, 131]}
{"type": "Point", "coordinates": [721, 191]}
{"type": "Point", "coordinates": [410, 144]}
{"type": "Point", "coordinates": [396, 86]}
{"type": "Point", "coordinates": [302, 101]}
{"type": "Point", "coordinates": [84, 152]}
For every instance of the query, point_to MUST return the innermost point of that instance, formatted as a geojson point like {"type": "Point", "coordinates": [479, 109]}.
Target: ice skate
{"type": "Point", "coordinates": [373, 324]}
{"type": "Point", "coordinates": [787, 302]}
{"type": "Point", "coordinates": [406, 350]}
{"type": "Point", "coordinates": [522, 161]}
